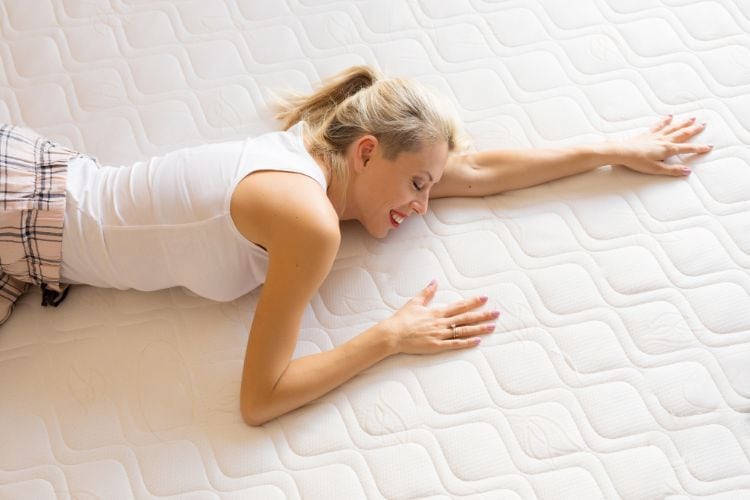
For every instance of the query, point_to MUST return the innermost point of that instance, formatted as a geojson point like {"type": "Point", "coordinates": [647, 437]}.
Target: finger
{"type": "Point", "coordinates": [470, 330]}
{"type": "Point", "coordinates": [427, 293]}
{"type": "Point", "coordinates": [674, 126]}
{"type": "Point", "coordinates": [471, 318]}
{"type": "Point", "coordinates": [463, 306]}
{"type": "Point", "coordinates": [661, 123]}
{"type": "Point", "coordinates": [685, 133]}
{"type": "Point", "coordinates": [689, 147]}
{"type": "Point", "coordinates": [674, 170]}
{"type": "Point", "coordinates": [651, 167]}
{"type": "Point", "coordinates": [460, 343]}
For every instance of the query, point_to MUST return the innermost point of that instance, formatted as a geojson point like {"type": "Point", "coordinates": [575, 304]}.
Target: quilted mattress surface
{"type": "Point", "coordinates": [621, 363]}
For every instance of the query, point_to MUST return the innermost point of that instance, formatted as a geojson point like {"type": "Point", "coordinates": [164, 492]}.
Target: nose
{"type": "Point", "coordinates": [420, 206]}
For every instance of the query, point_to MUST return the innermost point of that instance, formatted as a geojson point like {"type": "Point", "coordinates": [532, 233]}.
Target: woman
{"type": "Point", "coordinates": [221, 219]}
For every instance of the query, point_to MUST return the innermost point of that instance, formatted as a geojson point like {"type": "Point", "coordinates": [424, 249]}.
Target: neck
{"type": "Point", "coordinates": [337, 194]}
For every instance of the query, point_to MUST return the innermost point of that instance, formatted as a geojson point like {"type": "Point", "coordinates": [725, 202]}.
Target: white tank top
{"type": "Point", "coordinates": [166, 222]}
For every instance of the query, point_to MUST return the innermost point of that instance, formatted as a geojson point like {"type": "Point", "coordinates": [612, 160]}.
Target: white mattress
{"type": "Point", "coordinates": [621, 364]}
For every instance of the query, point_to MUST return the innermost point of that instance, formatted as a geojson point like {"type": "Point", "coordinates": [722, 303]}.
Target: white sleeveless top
{"type": "Point", "coordinates": [166, 222]}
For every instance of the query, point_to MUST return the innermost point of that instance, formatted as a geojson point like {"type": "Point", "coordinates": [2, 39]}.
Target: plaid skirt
{"type": "Point", "coordinates": [33, 171]}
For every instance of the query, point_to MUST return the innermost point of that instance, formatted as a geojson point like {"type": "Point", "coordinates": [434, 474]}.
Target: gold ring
{"type": "Point", "coordinates": [453, 329]}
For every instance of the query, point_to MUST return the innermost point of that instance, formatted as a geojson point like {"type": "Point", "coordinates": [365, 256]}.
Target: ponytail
{"type": "Point", "coordinates": [315, 108]}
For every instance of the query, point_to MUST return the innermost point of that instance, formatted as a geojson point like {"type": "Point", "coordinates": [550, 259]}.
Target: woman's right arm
{"type": "Point", "coordinates": [299, 229]}
{"type": "Point", "coordinates": [302, 242]}
{"type": "Point", "coordinates": [414, 329]}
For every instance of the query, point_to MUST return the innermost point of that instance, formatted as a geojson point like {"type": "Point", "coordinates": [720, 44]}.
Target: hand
{"type": "Point", "coordinates": [418, 329]}
{"type": "Point", "coordinates": [648, 151]}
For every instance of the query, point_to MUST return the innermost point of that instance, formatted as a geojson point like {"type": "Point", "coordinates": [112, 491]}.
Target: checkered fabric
{"type": "Point", "coordinates": [33, 172]}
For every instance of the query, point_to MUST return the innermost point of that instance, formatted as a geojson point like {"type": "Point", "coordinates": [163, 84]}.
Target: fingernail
{"type": "Point", "coordinates": [686, 171]}
{"type": "Point", "coordinates": [710, 146]}
{"type": "Point", "coordinates": [495, 314]}
{"type": "Point", "coordinates": [692, 119]}
{"type": "Point", "coordinates": [490, 328]}
{"type": "Point", "coordinates": [483, 298]}
{"type": "Point", "coordinates": [431, 283]}
{"type": "Point", "coordinates": [477, 341]}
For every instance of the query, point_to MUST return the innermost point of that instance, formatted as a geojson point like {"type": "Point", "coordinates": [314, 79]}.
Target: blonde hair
{"type": "Point", "coordinates": [402, 114]}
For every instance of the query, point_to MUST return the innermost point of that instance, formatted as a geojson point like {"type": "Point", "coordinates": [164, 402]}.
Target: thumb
{"type": "Point", "coordinates": [427, 293]}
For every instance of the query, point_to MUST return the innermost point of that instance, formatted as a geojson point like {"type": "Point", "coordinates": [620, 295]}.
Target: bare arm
{"type": "Point", "coordinates": [307, 378]}
{"type": "Point", "coordinates": [496, 171]}
{"type": "Point", "coordinates": [414, 329]}
{"type": "Point", "coordinates": [302, 235]}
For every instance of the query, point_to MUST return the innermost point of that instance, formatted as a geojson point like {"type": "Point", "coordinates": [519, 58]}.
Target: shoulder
{"type": "Point", "coordinates": [276, 209]}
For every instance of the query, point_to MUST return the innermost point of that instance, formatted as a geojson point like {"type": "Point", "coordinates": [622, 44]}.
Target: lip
{"type": "Point", "coordinates": [393, 222]}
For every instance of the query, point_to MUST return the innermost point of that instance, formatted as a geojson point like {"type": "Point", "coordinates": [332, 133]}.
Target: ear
{"type": "Point", "coordinates": [364, 150]}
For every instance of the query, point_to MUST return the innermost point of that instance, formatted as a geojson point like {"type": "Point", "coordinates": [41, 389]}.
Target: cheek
{"type": "Point", "coordinates": [380, 193]}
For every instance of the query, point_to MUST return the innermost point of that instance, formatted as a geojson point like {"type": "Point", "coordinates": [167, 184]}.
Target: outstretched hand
{"type": "Point", "coordinates": [647, 152]}
{"type": "Point", "coordinates": [419, 329]}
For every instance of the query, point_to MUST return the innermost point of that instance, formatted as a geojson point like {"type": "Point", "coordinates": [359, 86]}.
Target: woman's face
{"type": "Point", "coordinates": [383, 193]}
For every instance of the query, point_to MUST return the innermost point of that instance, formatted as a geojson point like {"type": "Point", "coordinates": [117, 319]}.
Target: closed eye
{"type": "Point", "coordinates": [417, 186]}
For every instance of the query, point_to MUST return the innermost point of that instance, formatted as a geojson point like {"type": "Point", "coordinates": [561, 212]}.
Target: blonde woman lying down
{"type": "Point", "coordinates": [222, 219]}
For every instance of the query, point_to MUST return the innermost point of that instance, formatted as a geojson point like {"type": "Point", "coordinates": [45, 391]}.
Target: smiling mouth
{"type": "Point", "coordinates": [397, 218]}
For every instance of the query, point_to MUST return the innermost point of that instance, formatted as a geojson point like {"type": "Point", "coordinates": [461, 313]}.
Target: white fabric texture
{"type": "Point", "coordinates": [166, 222]}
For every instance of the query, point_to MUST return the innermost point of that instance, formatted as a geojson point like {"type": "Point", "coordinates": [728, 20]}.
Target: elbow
{"type": "Point", "coordinates": [254, 416]}
{"type": "Point", "coordinates": [254, 412]}
{"type": "Point", "coordinates": [252, 420]}
{"type": "Point", "coordinates": [258, 405]}
{"type": "Point", "coordinates": [251, 409]}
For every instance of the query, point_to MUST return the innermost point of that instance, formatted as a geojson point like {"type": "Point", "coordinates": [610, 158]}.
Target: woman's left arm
{"type": "Point", "coordinates": [491, 172]}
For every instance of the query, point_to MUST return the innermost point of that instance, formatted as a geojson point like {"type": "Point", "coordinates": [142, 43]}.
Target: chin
{"type": "Point", "coordinates": [376, 232]}
{"type": "Point", "coordinates": [380, 234]}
